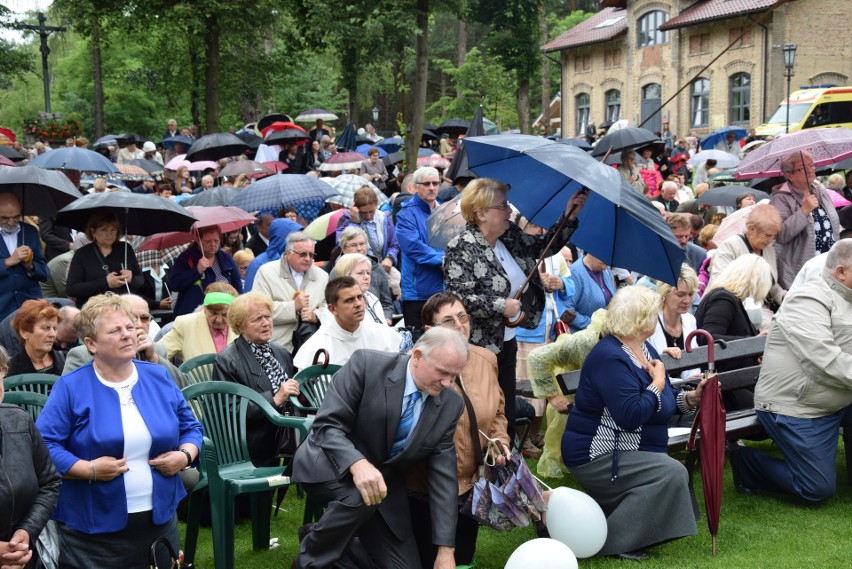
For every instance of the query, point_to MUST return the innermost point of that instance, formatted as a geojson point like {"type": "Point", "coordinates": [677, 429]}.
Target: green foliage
{"type": "Point", "coordinates": [15, 60]}
{"type": "Point", "coordinates": [557, 25]}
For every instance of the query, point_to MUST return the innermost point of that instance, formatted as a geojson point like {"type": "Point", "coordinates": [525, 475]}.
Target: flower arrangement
{"type": "Point", "coordinates": [53, 128]}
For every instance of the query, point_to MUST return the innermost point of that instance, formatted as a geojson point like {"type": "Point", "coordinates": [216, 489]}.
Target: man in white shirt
{"type": "Point", "coordinates": [348, 331]}
{"type": "Point", "coordinates": [730, 144]}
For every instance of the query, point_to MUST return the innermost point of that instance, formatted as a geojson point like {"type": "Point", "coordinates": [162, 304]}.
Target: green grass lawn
{"type": "Point", "coordinates": [758, 532]}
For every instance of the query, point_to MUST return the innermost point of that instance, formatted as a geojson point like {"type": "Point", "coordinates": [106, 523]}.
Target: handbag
{"type": "Point", "coordinates": [174, 558]}
{"type": "Point", "coordinates": [301, 334]}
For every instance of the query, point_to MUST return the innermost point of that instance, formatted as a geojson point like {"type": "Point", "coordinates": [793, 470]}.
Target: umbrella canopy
{"type": "Point", "coordinates": [346, 139]}
{"type": "Point", "coordinates": [445, 223]}
{"type": "Point", "coordinates": [275, 166]}
{"type": "Point", "coordinates": [163, 257]}
{"type": "Point", "coordinates": [543, 175]}
{"type": "Point", "coordinates": [580, 143]}
{"type": "Point", "coordinates": [106, 140]}
{"type": "Point", "coordinates": [435, 161]}
{"type": "Point", "coordinates": [425, 152]}
{"type": "Point", "coordinates": [8, 134]}
{"type": "Point", "coordinates": [250, 138]}
{"type": "Point", "coordinates": [247, 167]}
{"type": "Point", "coordinates": [453, 127]}
{"type": "Point", "coordinates": [342, 161]}
{"type": "Point", "coordinates": [837, 199]}
{"type": "Point", "coordinates": [429, 134]}
{"type": "Point", "coordinates": [313, 114]}
{"type": "Point", "coordinates": [139, 214]}
{"type": "Point", "coordinates": [132, 170]}
{"type": "Point", "coordinates": [458, 168]}
{"type": "Point", "coordinates": [286, 137]}
{"type": "Point", "coordinates": [325, 225]}
{"type": "Point", "coordinates": [720, 134]}
{"type": "Point", "coordinates": [727, 195]}
{"type": "Point", "coordinates": [711, 422]}
{"type": "Point", "coordinates": [826, 145]}
{"type": "Point", "coordinates": [733, 224]}
{"type": "Point", "coordinates": [392, 144]}
{"type": "Point", "coordinates": [393, 158]}
{"type": "Point", "coordinates": [180, 160]}
{"type": "Point", "coordinates": [136, 139]}
{"type": "Point", "coordinates": [169, 143]}
{"type": "Point", "coordinates": [149, 166]}
{"type": "Point", "coordinates": [722, 158]}
{"type": "Point", "coordinates": [623, 139]}
{"type": "Point", "coordinates": [346, 185]}
{"type": "Point", "coordinates": [215, 147]}
{"type": "Point", "coordinates": [269, 119]}
{"type": "Point", "coordinates": [218, 196]}
{"type": "Point", "coordinates": [6, 162]}
{"type": "Point", "coordinates": [226, 218]}
{"type": "Point", "coordinates": [364, 148]}
{"type": "Point", "coordinates": [73, 158]}
{"type": "Point", "coordinates": [275, 192]}
{"type": "Point", "coordinates": [41, 192]}
{"type": "Point", "coordinates": [10, 153]}
{"type": "Point", "coordinates": [752, 145]}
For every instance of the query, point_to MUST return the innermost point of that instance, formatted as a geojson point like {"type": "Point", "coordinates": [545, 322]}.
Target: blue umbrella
{"type": "Point", "coordinates": [346, 140]}
{"type": "Point", "coordinates": [108, 140]}
{"type": "Point", "coordinates": [274, 192]}
{"type": "Point", "coordinates": [366, 147]}
{"type": "Point", "coordinates": [390, 144]}
{"type": "Point", "coordinates": [72, 158]}
{"type": "Point", "coordinates": [543, 174]}
{"type": "Point", "coordinates": [169, 143]}
{"type": "Point", "coordinates": [629, 233]}
{"type": "Point", "coordinates": [425, 152]}
{"type": "Point", "coordinates": [712, 139]}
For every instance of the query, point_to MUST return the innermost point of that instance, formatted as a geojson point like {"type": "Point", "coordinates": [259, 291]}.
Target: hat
{"type": "Point", "coordinates": [149, 147]}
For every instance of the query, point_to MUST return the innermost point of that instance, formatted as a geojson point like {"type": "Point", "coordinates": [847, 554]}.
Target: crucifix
{"type": "Point", "coordinates": [43, 31]}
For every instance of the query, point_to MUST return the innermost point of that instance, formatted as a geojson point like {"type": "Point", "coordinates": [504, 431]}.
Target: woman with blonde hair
{"type": "Point", "coordinates": [674, 322]}
{"type": "Point", "coordinates": [183, 181]}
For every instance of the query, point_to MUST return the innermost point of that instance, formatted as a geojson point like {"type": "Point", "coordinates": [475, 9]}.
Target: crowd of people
{"type": "Point", "coordinates": [432, 342]}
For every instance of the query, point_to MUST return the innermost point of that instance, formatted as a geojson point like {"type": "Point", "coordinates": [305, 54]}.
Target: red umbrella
{"type": "Point", "coordinates": [826, 145]}
{"type": "Point", "coordinates": [710, 418]}
{"type": "Point", "coordinates": [342, 161]}
{"type": "Point", "coordinates": [226, 218]}
{"type": "Point", "coordinates": [274, 166]}
{"type": "Point", "coordinates": [6, 162]}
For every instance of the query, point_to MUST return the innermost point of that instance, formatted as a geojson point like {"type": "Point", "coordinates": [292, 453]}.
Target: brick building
{"type": "Point", "coordinates": [633, 55]}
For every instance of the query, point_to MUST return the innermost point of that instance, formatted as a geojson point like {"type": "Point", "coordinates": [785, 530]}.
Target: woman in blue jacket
{"type": "Point", "coordinates": [201, 264]}
{"type": "Point", "coordinates": [119, 431]}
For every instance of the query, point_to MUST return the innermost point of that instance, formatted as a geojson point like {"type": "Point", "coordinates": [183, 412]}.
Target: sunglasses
{"type": "Point", "coordinates": [436, 184]}
{"type": "Point", "coordinates": [304, 254]}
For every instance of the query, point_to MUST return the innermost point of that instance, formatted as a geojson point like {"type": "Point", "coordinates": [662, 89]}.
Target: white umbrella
{"type": "Point", "coordinates": [722, 158]}
{"type": "Point", "coordinates": [735, 223]}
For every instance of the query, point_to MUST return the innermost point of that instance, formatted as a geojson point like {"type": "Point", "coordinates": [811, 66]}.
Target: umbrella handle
{"type": "Point", "coordinates": [711, 358]}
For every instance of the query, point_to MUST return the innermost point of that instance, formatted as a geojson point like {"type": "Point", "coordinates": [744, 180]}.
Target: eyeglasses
{"type": "Point", "coordinates": [503, 206]}
{"type": "Point", "coordinates": [303, 254]}
{"type": "Point", "coordinates": [145, 318]}
{"type": "Point", "coordinates": [802, 168]}
{"type": "Point", "coordinates": [450, 321]}
{"type": "Point", "coordinates": [435, 184]}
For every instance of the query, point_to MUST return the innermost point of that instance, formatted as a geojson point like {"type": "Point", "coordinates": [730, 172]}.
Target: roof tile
{"type": "Point", "coordinates": [607, 24]}
{"type": "Point", "coordinates": [710, 10]}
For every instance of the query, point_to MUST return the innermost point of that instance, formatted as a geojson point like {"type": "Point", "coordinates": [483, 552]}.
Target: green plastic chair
{"type": "Point", "coordinates": [314, 382]}
{"type": "Point", "coordinates": [29, 401]}
{"type": "Point", "coordinates": [222, 408]}
{"type": "Point", "coordinates": [199, 368]}
{"type": "Point", "coordinates": [31, 382]}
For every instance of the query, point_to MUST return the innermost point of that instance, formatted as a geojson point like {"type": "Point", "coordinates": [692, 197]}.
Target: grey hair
{"type": "Point", "coordinates": [438, 336]}
{"type": "Point", "coordinates": [789, 161]}
{"type": "Point", "coordinates": [840, 255]}
{"type": "Point", "coordinates": [4, 361]}
{"type": "Point", "coordinates": [423, 172]}
{"type": "Point", "coordinates": [668, 184]}
{"type": "Point", "coordinates": [351, 232]}
{"type": "Point", "coordinates": [297, 237]}
{"type": "Point", "coordinates": [68, 313]}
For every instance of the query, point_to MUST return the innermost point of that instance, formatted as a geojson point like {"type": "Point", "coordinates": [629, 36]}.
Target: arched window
{"type": "Point", "coordinates": [699, 106]}
{"type": "Point", "coordinates": [582, 103]}
{"type": "Point", "coordinates": [612, 99]}
{"type": "Point", "coordinates": [649, 32]}
{"type": "Point", "coordinates": [740, 98]}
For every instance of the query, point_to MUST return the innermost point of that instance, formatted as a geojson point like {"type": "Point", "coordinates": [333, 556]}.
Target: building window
{"type": "Point", "coordinates": [612, 58]}
{"type": "Point", "coordinates": [699, 109]}
{"type": "Point", "coordinates": [582, 103]}
{"type": "Point", "coordinates": [737, 41]}
{"type": "Point", "coordinates": [649, 29]}
{"type": "Point", "coordinates": [612, 98]}
{"type": "Point", "coordinates": [699, 44]}
{"type": "Point", "coordinates": [582, 63]}
{"type": "Point", "coordinates": [740, 98]}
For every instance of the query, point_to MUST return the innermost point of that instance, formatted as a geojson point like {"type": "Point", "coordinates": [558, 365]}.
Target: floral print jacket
{"type": "Point", "coordinates": [473, 271]}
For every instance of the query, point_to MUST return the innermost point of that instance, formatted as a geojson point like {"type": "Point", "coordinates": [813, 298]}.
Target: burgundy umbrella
{"type": "Point", "coordinates": [226, 218]}
{"type": "Point", "coordinates": [710, 419]}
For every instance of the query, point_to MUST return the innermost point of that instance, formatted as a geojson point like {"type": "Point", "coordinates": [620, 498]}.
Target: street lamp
{"type": "Point", "coordinates": [789, 51]}
{"type": "Point", "coordinates": [376, 109]}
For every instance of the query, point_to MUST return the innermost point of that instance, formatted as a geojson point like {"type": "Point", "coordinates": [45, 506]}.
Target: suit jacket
{"type": "Point", "coordinates": [190, 337]}
{"type": "Point", "coordinates": [358, 420]}
{"type": "Point", "coordinates": [56, 238]}
{"type": "Point", "coordinates": [256, 244]}
{"type": "Point", "coordinates": [16, 284]}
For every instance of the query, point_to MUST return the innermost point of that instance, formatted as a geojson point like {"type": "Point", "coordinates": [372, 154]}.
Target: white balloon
{"type": "Point", "coordinates": [576, 520]}
{"type": "Point", "coordinates": [542, 553]}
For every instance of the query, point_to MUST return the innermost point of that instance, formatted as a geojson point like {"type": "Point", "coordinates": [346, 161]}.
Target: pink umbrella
{"type": "Point", "coordinates": [276, 166]}
{"type": "Point", "coordinates": [837, 199]}
{"type": "Point", "coordinates": [180, 160]}
{"type": "Point", "coordinates": [826, 145]}
{"type": "Point", "coordinates": [435, 161]}
{"type": "Point", "coordinates": [226, 218]}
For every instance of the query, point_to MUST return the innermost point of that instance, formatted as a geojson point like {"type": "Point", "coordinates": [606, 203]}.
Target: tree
{"type": "Point", "coordinates": [15, 61]}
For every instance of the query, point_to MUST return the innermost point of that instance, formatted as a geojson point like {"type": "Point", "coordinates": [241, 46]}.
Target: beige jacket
{"type": "Point", "coordinates": [734, 247]}
{"type": "Point", "coordinates": [807, 363]}
{"type": "Point", "coordinates": [275, 280]}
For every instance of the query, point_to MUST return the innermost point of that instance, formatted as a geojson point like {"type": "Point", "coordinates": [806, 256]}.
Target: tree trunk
{"type": "Point", "coordinates": [523, 103]}
{"type": "Point", "coordinates": [421, 72]}
{"type": "Point", "coordinates": [462, 43]}
{"type": "Point", "coordinates": [211, 83]}
{"type": "Point", "coordinates": [545, 75]}
{"type": "Point", "coordinates": [194, 79]}
{"type": "Point", "coordinates": [97, 78]}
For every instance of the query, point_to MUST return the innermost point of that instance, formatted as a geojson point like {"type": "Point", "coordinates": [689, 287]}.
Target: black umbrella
{"type": "Point", "coordinates": [361, 139]}
{"type": "Point", "coordinates": [169, 143]}
{"type": "Point", "coordinates": [626, 138]}
{"type": "Point", "coordinates": [454, 127]}
{"type": "Point", "coordinates": [10, 153]}
{"type": "Point", "coordinates": [286, 136]}
{"type": "Point", "coordinates": [41, 192]}
{"type": "Point", "coordinates": [458, 168]}
{"type": "Point", "coordinates": [269, 119]}
{"type": "Point", "coordinates": [148, 165]}
{"type": "Point", "coordinates": [727, 195]}
{"type": "Point", "coordinates": [346, 140]}
{"type": "Point", "coordinates": [220, 195]}
{"type": "Point", "coordinates": [430, 135]}
{"type": "Point", "coordinates": [216, 146]}
{"type": "Point", "coordinates": [250, 138]}
{"type": "Point", "coordinates": [139, 214]}
{"type": "Point", "coordinates": [580, 143]}
{"type": "Point", "coordinates": [138, 139]}
{"type": "Point", "coordinates": [107, 140]}
{"type": "Point", "coordinates": [393, 158]}
{"type": "Point", "coordinates": [429, 126]}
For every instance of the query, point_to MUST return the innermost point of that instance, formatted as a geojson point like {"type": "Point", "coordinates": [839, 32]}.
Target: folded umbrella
{"type": "Point", "coordinates": [215, 147]}
{"type": "Point", "coordinates": [827, 146]}
{"type": "Point", "coordinates": [41, 192]}
{"type": "Point", "coordinates": [346, 185]}
{"type": "Point", "coordinates": [274, 192]}
{"type": "Point", "coordinates": [73, 158]}
{"type": "Point", "coordinates": [226, 218]}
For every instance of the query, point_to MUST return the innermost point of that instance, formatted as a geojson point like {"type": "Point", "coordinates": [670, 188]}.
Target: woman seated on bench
{"type": "Point", "coordinates": [674, 322]}
{"type": "Point", "coordinates": [616, 437]}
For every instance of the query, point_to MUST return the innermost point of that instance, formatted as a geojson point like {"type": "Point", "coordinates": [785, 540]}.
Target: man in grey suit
{"type": "Point", "coordinates": [384, 413]}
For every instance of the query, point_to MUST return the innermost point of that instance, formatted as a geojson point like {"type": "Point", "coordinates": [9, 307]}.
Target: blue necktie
{"type": "Point", "coordinates": [406, 422]}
